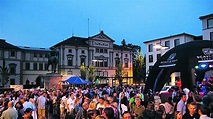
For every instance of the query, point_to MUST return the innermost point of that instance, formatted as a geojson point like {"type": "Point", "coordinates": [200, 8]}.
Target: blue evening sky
{"type": "Point", "coordinates": [43, 23]}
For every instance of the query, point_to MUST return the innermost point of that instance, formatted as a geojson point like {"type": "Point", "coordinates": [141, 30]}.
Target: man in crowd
{"type": "Point", "coordinates": [10, 113]}
{"type": "Point", "coordinates": [126, 115]}
{"type": "Point", "coordinates": [137, 111]}
{"type": "Point", "coordinates": [41, 101]}
{"type": "Point", "coordinates": [181, 106]}
{"type": "Point", "coordinates": [191, 114]}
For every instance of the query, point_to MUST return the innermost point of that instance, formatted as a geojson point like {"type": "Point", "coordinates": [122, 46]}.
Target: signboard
{"type": "Point", "coordinates": [171, 61]}
{"type": "Point", "coordinates": [207, 55]}
{"type": "Point", "coordinates": [16, 87]}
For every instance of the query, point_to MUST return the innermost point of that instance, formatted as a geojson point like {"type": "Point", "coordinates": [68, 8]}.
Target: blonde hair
{"type": "Point", "coordinates": [99, 117]}
{"type": "Point", "coordinates": [92, 105]}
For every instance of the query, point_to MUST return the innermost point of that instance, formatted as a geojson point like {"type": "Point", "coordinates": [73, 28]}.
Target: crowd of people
{"type": "Point", "coordinates": [104, 103]}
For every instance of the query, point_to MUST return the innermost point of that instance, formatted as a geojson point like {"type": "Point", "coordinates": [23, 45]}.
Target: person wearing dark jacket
{"type": "Point", "coordinates": [149, 112]}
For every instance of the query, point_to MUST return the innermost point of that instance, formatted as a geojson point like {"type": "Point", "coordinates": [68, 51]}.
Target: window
{"type": "Point", "coordinates": [12, 54]}
{"type": "Point", "coordinates": [35, 66]}
{"type": "Point", "coordinates": [40, 55]}
{"type": "Point", "coordinates": [211, 36]}
{"type": "Point", "coordinates": [167, 44]}
{"type": "Point", "coordinates": [69, 61]}
{"type": "Point", "coordinates": [150, 47]}
{"type": "Point", "coordinates": [176, 42]}
{"type": "Point", "coordinates": [82, 52]}
{"type": "Point", "coordinates": [117, 61]}
{"type": "Point", "coordinates": [69, 50]}
{"type": "Point", "coordinates": [12, 70]}
{"type": "Point", "coordinates": [126, 63]}
{"type": "Point", "coordinates": [210, 23]}
{"type": "Point", "coordinates": [101, 50]}
{"type": "Point", "coordinates": [105, 50]}
{"type": "Point", "coordinates": [12, 81]}
{"type": "Point", "coordinates": [158, 56]}
{"type": "Point", "coordinates": [45, 66]}
{"type": "Point", "coordinates": [40, 66]}
{"type": "Point", "coordinates": [35, 55]}
{"type": "Point", "coordinates": [150, 58]}
{"type": "Point", "coordinates": [117, 54]}
{"type": "Point", "coordinates": [27, 66]}
{"type": "Point", "coordinates": [46, 55]}
{"type": "Point", "coordinates": [96, 50]}
{"type": "Point", "coordinates": [126, 55]}
{"type": "Point", "coordinates": [105, 63]}
{"type": "Point", "coordinates": [82, 60]}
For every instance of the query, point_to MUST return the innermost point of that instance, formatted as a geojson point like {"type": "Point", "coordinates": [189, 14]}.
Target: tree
{"type": "Point", "coordinates": [139, 68]}
{"type": "Point", "coordinates": [119, 73]}
{"type": "Point", "coordinates": [83, 71]}
{"type": "Point", "coordinates": [4, 72]}
{"type": "Point", "coordinates": [123, 42]}
{"type": "Point", "coordinates": [91, 73]}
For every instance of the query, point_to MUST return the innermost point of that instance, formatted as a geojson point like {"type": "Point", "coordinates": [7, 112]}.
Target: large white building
{"type": "Point", "coordinates": [157, 47]}
{"type": "Point", "coordinates": [207, 27]}
{"type": "Point", "coordinates": [25, 64]}
{"type": "Point", "coordinates": [98, 50]}
{"type": "Point", "coordinates": [28, 65]}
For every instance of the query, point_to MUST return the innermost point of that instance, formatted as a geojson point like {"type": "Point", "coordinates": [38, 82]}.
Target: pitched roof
{"type": "Point", "coordinates": [206, 16]}
{"type": "Point", "coordinates": [102, 33]}
{"type": "Point", "coordinates": [73, 41]}
{"type": "Point", "coordinates": [4, 44]}
{"type": "Point", "coordinates": [169, 37]}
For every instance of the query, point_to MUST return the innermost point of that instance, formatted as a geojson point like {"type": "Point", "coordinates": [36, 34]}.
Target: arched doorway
{"type": "Point", "coordinates": [183, 59]}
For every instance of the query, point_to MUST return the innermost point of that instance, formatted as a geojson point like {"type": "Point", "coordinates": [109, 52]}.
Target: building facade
{"type": "Point", "coordinates": [98, 50]}
{"type": "Point", "coordinates": [28, 65]}
{"type": "Point", "coordinates": [207, 27]}
{"type": "Point", "coordinates": [157, 47]}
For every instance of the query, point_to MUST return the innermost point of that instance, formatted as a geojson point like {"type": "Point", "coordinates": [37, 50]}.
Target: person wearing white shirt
{"type": "Point", "coordinates": [181, 106]}
{"type": "Point", "coordinates": [41, 101]}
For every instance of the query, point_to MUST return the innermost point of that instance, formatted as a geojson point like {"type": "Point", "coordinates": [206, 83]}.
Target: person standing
{"type": "Point", "coordinates": [41, 101]}
{"type": "Point", "coordinates": [191, 114]}
{"type": "Point", "coordinates": [10, 113]}
{"type": "Point", "coordinates": [138, 110]}
{"type": "Point", "coordinates": [181, 106]}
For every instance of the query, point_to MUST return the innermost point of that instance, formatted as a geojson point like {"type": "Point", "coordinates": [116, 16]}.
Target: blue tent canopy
{"type": "Point", "coordinates": [76, 80]}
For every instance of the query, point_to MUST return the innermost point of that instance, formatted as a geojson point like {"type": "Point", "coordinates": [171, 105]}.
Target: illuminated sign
{"type": "Point", "coordinates": [171, 61]}
{"type": "Point", "coordinates": [207, 57]}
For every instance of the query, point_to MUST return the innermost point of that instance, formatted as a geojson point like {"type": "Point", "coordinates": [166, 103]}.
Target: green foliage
{"type": "Point", "coordinates": [91, 73]}
{"type": "Point", "coordinates": [119, 73]}
{"type": "Point", "coordinates": [83, 71]}
{"type": "Point", "coordinates": [4, 73]}
{"type": "Point", "coordinates": [135, 49]}
{"type": "Point", "coordinates": [139, 68]}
